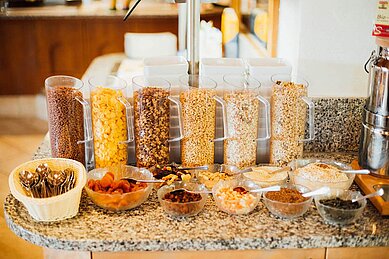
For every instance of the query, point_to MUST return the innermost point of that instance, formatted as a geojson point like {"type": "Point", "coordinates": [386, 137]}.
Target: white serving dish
{"type": "Point", "coordinates": [54, 208]}
{"type": "Point", "coordinates": [145, 45]}
{"type": "Point", "coordinates": [216, 68]}
{"type": "Point", "coordinates": [262, 69]}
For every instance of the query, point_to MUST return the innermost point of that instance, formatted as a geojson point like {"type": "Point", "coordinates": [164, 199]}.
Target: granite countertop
{"type": "Point", "coordinates": [148, 228]}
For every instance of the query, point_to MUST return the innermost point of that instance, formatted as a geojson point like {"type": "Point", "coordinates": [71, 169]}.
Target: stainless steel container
{"type": "Point", "coordinates": [374, 141]}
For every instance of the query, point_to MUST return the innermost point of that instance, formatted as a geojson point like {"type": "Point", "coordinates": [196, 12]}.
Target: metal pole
{"type": "Point", "coordinates": [182, 27]}
{"type": "Point", "coordinates": [193, 35]}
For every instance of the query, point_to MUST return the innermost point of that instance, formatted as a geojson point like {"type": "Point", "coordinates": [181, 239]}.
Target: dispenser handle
{"type": "Point", "coordinates": [371, 59]}
{"type": "Point", "coordinates": [87, 120]}
{"type": "Point", "coordinates": [267, 118]}
{"type": "Point", "coordinates": [130, 128]}
{"type": "Point", "coordinates": [311, 114]}
{"type": "Point", "coordinates": [178, 103]}
{"type": "Point", "coordinates": [224, 114]}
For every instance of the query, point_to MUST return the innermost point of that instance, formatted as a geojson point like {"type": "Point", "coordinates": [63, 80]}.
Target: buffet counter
{"type": "Point", "coordinates": [148, 232]}
{"type": "Point", "coordinates": [148, 228]}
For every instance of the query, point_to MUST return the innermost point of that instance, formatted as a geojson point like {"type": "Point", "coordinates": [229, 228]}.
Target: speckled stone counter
{"type": "Point", "coordinates": [147, 228]}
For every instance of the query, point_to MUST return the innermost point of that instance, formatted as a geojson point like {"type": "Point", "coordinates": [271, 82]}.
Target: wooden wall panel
{"type": "Point", "coordinates": [19, 63]}
{"type": "Point", "coordinates": [33, 49]}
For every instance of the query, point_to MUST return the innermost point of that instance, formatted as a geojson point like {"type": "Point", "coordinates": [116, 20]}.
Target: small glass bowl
{"type": "Point", "coordinates": [313, 185]}
{"type": "Point", "coordinates": [256, 173]}
{"type": "Point", "coordinates": [226, 203]}
{"type": "Point", "coordinates": [178, 209]}
{"type": "Point", "coordinates": [125, 201]}
{"type": "Point", "coordinates": [288, 210]}
{"type": "Point", "coordinates": [335, 216]}
{"type": "Point", "coordinates": [216, 173]}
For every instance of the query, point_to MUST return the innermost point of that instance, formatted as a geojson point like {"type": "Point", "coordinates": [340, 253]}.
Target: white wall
{"type": "Point", "coordinates": [328, 42]}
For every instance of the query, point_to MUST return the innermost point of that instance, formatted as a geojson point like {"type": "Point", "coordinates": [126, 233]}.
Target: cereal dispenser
{"type": "Point", "coordinates": [198, 100]}
{"type": "Point", "coordinates": [111, 120]}
{"type": "Point", "coordinates": [152, 120]}
{"type": "Point", "coordinates": [243, 112]}
{"type": "Point", "coordinates": [68, 113]}
{"type": "Point", "coordinates": [288, 118]}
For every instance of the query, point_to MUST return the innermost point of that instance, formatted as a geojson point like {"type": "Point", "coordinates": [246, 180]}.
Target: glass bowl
{"type": "Point", "coordinates": [179, 209]}
{"type": "Point", "coordinates": [216, 173]}
{"type": "Point", "coordinates": [262, 176]}
{"type": "Point", "coordinates": [337, 216]}
{"type": "Point", "coordinates": [125, 201]}
{"type": "Point", "coordinates": [288, 210]}
{"type": "Point", "coordinates": [232, 202]}
{"type": "Point", "coordinates": [313, 182]}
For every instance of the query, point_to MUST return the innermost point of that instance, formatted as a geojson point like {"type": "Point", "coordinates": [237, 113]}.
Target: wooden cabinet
{"type": "Point", "coordinates": [33, 48]}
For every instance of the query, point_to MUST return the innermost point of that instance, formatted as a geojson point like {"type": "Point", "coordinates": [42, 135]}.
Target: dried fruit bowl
{"type": "Point", "coordinates": [182, 209]}
{"type": "Point", "coordinates": [230, 201]}
{"type": "Point", "coordinates": [118, 201]}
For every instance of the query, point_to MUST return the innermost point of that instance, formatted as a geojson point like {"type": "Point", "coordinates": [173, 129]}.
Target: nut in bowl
{"type": "Point", "coordinates": [216, 173]}
{"type": "Point", "coordinates": [288, 203]}
{"type": "Point", "coordinates": [233, 196]}
{"type": "Point", "coordinates": [316, 173]}
{"type": "Point", "coordinates": [267, 175]}
{"type": "Point", "coordinates": [337, 208]}
{"type": "Point", "coordinates": [178, 202]}
{"type": "Point", "coordinates": [107, 189]}
{"type": "Point", "coordinates": [170, 173]}
{"type": "Point", "coordinates": [58, 205]}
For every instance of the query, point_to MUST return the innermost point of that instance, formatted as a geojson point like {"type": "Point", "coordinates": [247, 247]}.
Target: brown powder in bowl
{"type": "Point", "coordinates": [286, 195]}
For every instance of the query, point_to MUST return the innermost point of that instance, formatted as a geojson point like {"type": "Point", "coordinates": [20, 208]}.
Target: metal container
{"type": "Point", "coordinates": [374, 144]}
{"type": "Point", "coordinates": [374, 141]}
{"type": "Point", "coordinates": [378, 95]}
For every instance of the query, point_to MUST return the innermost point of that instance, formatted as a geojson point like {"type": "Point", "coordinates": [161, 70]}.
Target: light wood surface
{"type": "Point", "coordinates": [19, 138]}
{"type": "Point", "coordinates": [358, 253]}
{"type": "Point", "coordinates": [318, 253]}
{"type": "Point", "coordinates": [97, 9]}
{"type": "Point", "coordinates": [366, 183]}
{"type": "Point", "coordinates": [273, 10]}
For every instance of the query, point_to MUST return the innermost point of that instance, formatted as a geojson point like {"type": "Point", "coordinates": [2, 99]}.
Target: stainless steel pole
{"type": "Point", "coordinates": [193, 35]}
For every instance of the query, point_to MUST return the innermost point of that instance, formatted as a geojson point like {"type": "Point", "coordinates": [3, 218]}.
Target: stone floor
{"type": "Point", "coordinates": [19, 138]}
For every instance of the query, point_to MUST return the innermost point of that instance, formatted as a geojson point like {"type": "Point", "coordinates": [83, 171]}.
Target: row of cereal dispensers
{"type": "Point", "coordinates": [237, 112]}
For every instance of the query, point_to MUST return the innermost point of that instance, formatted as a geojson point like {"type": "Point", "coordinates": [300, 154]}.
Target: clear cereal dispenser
{"type": "Point", "coordinates": [198, 99]}
{"type": "Point", "coordinates": [152, 97]}
{"type": "Point", "coordinates": [111, 120]}
{"type": "Point", "coordinates": [68, 118]}
{"type": "Point", "coordinates": [243, 104]}
{"type": "Point", "coordinates": [288, 118]}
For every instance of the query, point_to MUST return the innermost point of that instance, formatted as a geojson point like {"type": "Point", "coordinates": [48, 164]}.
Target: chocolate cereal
{"type": "Point", "coordinates": [66, 123]}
